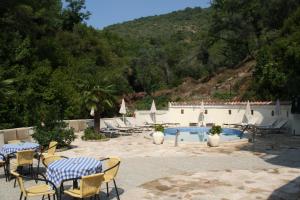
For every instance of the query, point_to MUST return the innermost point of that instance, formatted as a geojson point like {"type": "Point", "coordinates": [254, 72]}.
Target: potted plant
{"type": "Point", "coordinates": [214, 136]}
{"type": "Point", "coordinates": [158, 135]}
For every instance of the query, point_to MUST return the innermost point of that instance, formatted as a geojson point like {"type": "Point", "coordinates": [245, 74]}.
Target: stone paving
{"type": "Point", "coordinates": [268, 170]}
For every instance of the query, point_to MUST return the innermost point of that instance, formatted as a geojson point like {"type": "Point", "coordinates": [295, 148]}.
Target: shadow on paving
{"type": "Point", "coordinates": [277, 149]}
{"type": "Point", "coordinates": [289, 191]}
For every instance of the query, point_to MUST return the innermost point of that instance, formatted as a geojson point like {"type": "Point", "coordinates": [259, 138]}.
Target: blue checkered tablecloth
{"type": "Point", "coordinates": [11, 148]}
{"type": "Point", "coordinates": [72, 168]}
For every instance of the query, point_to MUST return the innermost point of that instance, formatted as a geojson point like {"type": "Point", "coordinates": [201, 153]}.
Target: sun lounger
{"type": "Point", "coordinates": [277, 127]}
{"type": "Point", "coordinates": [111, 126]}
{"type": "Point", "coordinates": [122, 125]}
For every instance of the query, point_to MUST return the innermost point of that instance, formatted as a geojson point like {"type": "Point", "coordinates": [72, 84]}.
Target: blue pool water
{"type": "Point", "coordinates": [200, 134]}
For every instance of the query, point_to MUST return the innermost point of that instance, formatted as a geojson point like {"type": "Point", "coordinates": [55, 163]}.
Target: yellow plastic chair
{"type": "Point", "coordinates": [13, 141]}
{"type": "Point", "coordinates": [23, 158]}
{"type": "Point", "coordinates": [50, 151]}
{"type": "Point", "coordinates": [89, 187]}
{"type": "Point", "coordinates": [50, 159]}
{"type": "Point", "coordinates": [36, 190]}
{"type": "Point", "coordinates": [113, 164]}
{"type": "Point", "coordinates": [3, 163]}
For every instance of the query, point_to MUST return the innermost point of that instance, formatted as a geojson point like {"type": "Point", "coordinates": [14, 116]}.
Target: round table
{"type": "Point", "coordinates": [72, 168]}
{"type": "Point", "coordinates": [12, 148]}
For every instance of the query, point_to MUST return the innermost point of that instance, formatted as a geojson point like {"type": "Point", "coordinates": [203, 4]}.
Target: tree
{"type": "Point", "coordinates": [99, 98]}
{"type": "Point", "coordinates": [73, 14]}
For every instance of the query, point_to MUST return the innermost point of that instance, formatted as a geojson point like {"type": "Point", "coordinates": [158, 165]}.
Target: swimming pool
{"type": "Point", "coordinates": [200, 134]}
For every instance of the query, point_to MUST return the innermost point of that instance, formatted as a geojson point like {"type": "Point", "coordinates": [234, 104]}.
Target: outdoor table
{"type": "Point", "coordinates": [70, 168]}
{"type": "Point", "coordinates": [12, 148]}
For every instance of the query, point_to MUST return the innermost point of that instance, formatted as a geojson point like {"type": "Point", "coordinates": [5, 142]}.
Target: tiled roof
{"type": "Point", "coordinates": [198, 103]}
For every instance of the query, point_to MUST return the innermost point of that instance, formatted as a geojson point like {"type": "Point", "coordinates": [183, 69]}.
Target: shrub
{"type": "Point", "coordinates": [159, 128]}
{"type": "Point", "coordinates": [44, 134]}
{"type": "Point", "coordinates": [215, 130]}
{"type": "Point", "coordinates": [90, 134]}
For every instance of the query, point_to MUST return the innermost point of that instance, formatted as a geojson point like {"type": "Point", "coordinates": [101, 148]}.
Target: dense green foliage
{"type": "Point", "coordinates": [54, 131]}
{"type": "Point", "coordinates": [215, 130]}
{"type": "Point", "coordinates": [159, 128]}
{"type": "Point", "coordinates": [90, 134]}
{"type": "Point", "coordinates": [51, 62]}
{"type": "Point", "coordinates": [53, 57]}
{"type": "Point", "coordinates": [197, 42]}
{"type": "Point", "coordinates": [165, 49]}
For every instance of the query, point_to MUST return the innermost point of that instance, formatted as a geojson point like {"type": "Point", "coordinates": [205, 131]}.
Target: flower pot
{"type": "Point", "coordinates": [158, 137]}
{"type": "Point", "coordinates": [213, 140]}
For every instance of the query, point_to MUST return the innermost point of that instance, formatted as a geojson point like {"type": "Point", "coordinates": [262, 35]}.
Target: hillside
{"type": "Point", "coordinates": [226, 84]}
{"type": "Point", "coordinates": [190, 20]}
{"type": "Point", "coordinates": [193, 45]}
{"type": "Point", "coordinates": [192, 69]}
{"type": "Point", "coordinates": [172, 45]}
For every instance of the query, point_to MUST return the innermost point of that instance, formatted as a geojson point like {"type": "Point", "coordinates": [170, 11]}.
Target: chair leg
{"type": "Point", "coordinates": [43, 197]}
{"type": "Point", "coordinates": [53, 196]}
{"type": "Point", "coordinates": [38, 166]}
{"type": "Point", "coordinates": [15, 183]}
{"type": "Point", "coordinates": [21, 195]}
{"type": "Point", "coordinates": [5, 172]}
{"type": "Point", "coordinates": [107, 193]}
{"type": "Point", "coordinates": [49, 197]}
{"type": "Point", "coordinates": [116, 189]}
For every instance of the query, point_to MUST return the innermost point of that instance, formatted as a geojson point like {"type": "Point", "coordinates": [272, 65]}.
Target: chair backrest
{"type": "Point", "coordinates": [13, 141]}
{"type": "Point", "coordinates": [109, 125]}
{"type": "Point", "coordinates": [113, 164]}
{"type": "Point", "coordinates": [50, 159]}
{"type": "Point", "coordinates": [20, 181]}
{"type": "Point", "coordinates": [280, 123]}
{"type": "Point", "coordinates": [52, 148]}
{"type": "Point", "coordinates": [120, 123]}
{"type": "Point", "coordinates": [252, 121]}
{"type": "Point", "coordinates": [25, 157]}
{"type": "Point", "coordinates": [148, 120]}
{"type": "Point", "coordinates": [130, 121]}
{"type": "Point", "coordinates": [89, 185]}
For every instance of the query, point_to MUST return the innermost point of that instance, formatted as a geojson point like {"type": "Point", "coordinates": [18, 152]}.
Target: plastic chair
{"type": "Point", "coordinates": [23, 158]}
{"type": "Point", "coordinates": [36, 190]}
{"type": "Point", "coordinates": [4, 163]}
{"type": "Point", "coordinates": [113, 164]}
{"type": "Point", "coordinates": [89, 187]}
{"type": "Point", "coordinates": [50, 159]}
{"type": "Point", "coordinates": [50, 151]}
{"type": "Point", "coordinates": [13, 141]}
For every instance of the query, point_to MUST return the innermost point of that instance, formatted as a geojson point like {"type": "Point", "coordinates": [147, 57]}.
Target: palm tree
{"type": "Point", "coordinates": [99, 98]}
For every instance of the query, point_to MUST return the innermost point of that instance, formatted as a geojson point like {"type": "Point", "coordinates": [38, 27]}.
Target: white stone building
{"type": "Point", "coordinates": [220, 113]}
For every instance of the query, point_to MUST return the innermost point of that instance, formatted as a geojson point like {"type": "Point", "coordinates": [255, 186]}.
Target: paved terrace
{"type": "Point", "coordinates": [268, 170]}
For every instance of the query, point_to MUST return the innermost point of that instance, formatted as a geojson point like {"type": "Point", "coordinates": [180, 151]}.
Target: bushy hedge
{"type": "Point", "coordinates": [59, 133]}
{"type": "Point", "coordinates": [90, 134]}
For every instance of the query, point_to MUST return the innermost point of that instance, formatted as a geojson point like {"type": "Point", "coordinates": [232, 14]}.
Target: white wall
{"type": "Point", "coordinates": [217, 114]}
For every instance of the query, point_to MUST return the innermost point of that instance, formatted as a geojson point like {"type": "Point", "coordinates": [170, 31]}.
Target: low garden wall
{"type": "Point", "coordinates": [25, 133]}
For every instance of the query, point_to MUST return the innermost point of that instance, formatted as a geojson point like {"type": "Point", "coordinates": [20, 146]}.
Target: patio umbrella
{"type": "Point", "coordinates": [92, 113]}
{"type": "Point", "coordinates": [123, 110]}
{"type": "Point", "coordinates": [277, 108]}
{"type": "Point", "coordinates": [153, 111]}
{"type": "Point", "coordinates": [201, 116]}
{"type": "Point", "coordinates": [248, 112]}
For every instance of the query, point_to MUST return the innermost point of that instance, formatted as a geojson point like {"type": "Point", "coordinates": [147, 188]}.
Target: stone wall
{"type": "Point", "coordinates": [25, 133]}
